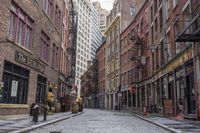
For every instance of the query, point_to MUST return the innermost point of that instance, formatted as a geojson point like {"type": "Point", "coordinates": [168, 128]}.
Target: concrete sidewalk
{"type": "Point", "coordinates": [18, 124]}
{"type": "Point", "coordinates": [172, 124]}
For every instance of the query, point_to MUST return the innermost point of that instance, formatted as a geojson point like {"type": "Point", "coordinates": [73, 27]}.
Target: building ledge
{"type": "Point", "coordinates": [117, 17]}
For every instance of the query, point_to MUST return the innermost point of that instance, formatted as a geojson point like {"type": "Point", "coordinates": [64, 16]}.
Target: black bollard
{"type": "Point", "coordinates": [35, 113]}
{"type": "Point", "coordinates": [45, 112]}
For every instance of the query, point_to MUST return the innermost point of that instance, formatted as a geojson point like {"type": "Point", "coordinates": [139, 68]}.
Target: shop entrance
{"type": "Point", "coordinates": [190, 94]}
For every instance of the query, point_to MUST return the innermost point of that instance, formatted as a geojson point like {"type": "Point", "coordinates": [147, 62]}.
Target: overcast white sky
{"type": "Point", "coordinates": [106, 4]}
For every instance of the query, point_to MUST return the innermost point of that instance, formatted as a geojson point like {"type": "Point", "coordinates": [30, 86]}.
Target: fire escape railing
{"type": "Point", "coordinates": [189, 27]}
{"type": "Point", "coordinates": [73, 37]}
{"type": "Point", "coordinates": [137, 58]}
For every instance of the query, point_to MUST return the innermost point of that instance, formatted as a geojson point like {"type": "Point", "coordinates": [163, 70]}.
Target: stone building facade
{"type": "Point", "coordinates": [30, 43]}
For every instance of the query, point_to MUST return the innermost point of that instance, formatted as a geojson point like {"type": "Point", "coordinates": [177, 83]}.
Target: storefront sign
{"type": "Point", "coordinates": [35, 64]}
{"type": "Point", "coordinates": [187, 55]}
{"type": "Point", "coordinates": [168, 107]}
{"type": "Point", "coordinates": [14, 88]}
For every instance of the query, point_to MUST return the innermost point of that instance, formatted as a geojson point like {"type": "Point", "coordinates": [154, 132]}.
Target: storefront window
{"type": "Point", "coordinates": [15, 84]}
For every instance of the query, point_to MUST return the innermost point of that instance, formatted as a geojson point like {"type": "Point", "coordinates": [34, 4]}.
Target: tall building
{"type": "Point", "coordinates": [88, 38]}
{"type": "Point", "coordinates": [117, 20]}
{"type": "Point", "coordinates": [96, 35]}
{"type": "Point", "coordinates": [102, 13]}
{"type": "Point", "coordinates": [83, 39]}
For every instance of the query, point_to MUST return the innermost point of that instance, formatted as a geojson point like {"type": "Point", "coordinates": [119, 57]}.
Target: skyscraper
{"type": "Point", "coordinates": [88, 37]}
{"type": "Point", "coordinates": [102, 13]}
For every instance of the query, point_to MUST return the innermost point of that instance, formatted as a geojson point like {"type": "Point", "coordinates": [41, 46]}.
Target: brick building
{"type": "Point", "coordinates": [117, 20]}
{"type": "Point", "coordinates": [101, 58]}
{"type": "Point", "coordinates": [162, 53]}
{"type": "Point", "coordinates": [134, 59]}
{"type": "Point", "coordinates": [30, 40]}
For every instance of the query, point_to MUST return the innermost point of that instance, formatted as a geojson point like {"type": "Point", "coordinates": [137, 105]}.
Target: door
{"type": "Point", "coordinates": [190, 93]}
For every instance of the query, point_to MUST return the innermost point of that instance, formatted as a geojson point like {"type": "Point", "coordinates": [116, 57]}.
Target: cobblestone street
{"type": "Point", "coordinates": [98, 121]}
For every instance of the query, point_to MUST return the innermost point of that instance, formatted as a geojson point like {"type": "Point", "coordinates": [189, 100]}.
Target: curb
{"type": "Point", "coordinates": [24, 130]}
{"type": "Point", "coordinates": [158, 124]}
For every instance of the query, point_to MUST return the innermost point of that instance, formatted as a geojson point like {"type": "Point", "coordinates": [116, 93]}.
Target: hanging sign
{"type": "Point", "coordinates": [14, 88]}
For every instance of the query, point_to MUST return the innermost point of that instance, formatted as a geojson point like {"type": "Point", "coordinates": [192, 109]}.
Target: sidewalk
{"type": "Point", "coordinates": [24, 123]}
{"type": "Point", "coordinates": [172, 124]}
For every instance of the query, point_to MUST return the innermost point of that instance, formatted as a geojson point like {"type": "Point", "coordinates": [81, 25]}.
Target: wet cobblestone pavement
{"type": "Point", "coordinates": [98, 121]}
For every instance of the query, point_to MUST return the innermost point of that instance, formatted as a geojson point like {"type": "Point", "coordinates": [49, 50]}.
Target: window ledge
{"type": "Point", "coordinates": [13, 106]}
{"type": "Point", "coordinates": [23, 48]}
{"type": "Point", "coordinates": [43, 61]}
{"type": "Point", "coordinates": [50, 19]}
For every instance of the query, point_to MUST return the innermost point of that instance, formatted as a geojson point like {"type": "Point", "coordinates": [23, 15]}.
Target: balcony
{"type": "Point", "coordinates": [188, 29]}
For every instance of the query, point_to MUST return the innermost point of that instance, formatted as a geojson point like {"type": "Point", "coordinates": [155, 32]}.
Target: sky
{"type": "Point", "coordinates": [106, 4]}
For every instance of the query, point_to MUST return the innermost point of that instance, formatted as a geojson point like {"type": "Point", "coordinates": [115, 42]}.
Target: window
{"type": "Point", "coordinates": [20, 27]}
{"type": "Point", "coordinates": [167, 8]}
{"type": "Point", "coordinates": [44, 48]}
{"type": "Point", "coordinates": [175, 2]}
{"type": "Point", "coordinates": [132, 10]}
{"type": "Point", "coordinates": [152, 35]}
{"type": "Point", "coordinates": [155, 6]}
{"type": "Point", "coordinates": [161, 19]}
{"type": "Point", "coordinates": [48, 7]}
{"type": "Point", "coordinates": [168, 46]}
{"type": "Point", "coordinates": [57, 19]}
{"type": "Point", "coordinates": [17, 77]}
{"type": "Point", "coordinates": [55, 56]}
{"type": "Point", "coordinates": [156, 24]}
{"type": "Point", "coordinates": [151, 13]}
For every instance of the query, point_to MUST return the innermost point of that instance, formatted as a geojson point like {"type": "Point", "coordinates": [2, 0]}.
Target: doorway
{"type": "Point", "coordinates": [190, 94]}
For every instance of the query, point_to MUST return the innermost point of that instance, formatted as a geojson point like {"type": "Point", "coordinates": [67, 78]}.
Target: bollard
{"type": "Point", "coordinates": [45, 112]}
{"type": "Point", "coordinates": [35, 113]}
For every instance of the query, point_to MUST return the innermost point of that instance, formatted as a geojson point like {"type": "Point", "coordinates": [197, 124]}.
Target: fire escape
{"type": "Point", "coordinates": [72, 42]}
{"type": "Point", "coordinates": [189, 30]}
{"type": "Point", "coordinates": [137, 57]}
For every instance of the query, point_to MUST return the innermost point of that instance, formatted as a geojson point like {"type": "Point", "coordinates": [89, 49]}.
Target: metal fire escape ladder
{"type": "Point", "coordinates": [137, 54]}
{"type": "Point", "coordinates": [73, 37]}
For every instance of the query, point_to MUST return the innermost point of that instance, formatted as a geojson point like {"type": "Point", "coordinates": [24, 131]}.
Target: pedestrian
{"type": "Point", "coordinates": [35, 113]}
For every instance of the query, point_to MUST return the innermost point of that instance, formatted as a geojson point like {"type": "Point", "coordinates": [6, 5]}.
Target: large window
{"type": "Point", "coordinates": [44, 49]}
{"type": "Point", "coordinates": [15, 81]}
{"type": "Point", "coordinates": [57, 19]}
{"type": "Point", "coordinates": [55, 56]}
{"type": "Point", "coordinates": [48, 7]}
{"type": "Point", "coordinates": [20, 27]}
